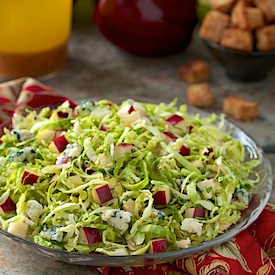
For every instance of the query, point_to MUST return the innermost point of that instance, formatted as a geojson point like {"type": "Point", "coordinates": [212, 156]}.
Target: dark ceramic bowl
{"type": "Point", "coordinates": [240, 65]}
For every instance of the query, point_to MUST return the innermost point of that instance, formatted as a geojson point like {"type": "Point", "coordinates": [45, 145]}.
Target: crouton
{"type": "Point", "coordinates": [237, 39]}
{"type": "Point", "coordinates": [194, 71]}
{"type": "Point", "coordinates": [213, 25]}
{"type": "Point", "coordinates": [222, 5]}
{"type": "Point", "coordinates": [268, 8]}
{"type": "Point", "coordinates": [199, 95]}
{"type": "Point", "coordinates": [246, 18]}
{"type": "Point", "coordinates": [237, 15]}
{"type": "Point", "coordinates": [266, 38]}
{"type": "Point", "coordinates": [240, 108]}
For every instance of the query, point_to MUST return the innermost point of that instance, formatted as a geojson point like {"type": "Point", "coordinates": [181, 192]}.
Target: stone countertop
{"type": "Point", "coordinates": [96, 69]}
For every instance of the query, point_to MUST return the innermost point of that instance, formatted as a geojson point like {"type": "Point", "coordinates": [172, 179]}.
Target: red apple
{"type": "Point", "coordinates": [169, 136]}
{"type": "Point", "coordinates": [174, 120]}
{"type": "Point", "coordinates": [184, 151]}
{"type": "Point", "coordinates": [62, 114]}
{"type": "Point", "coordinates": [207, 151]}
{"type": "Point", "coordinates": [104, 128]}
{"type": "Point", "coordinates": [29, 177]}
{"type": "Point", "coordinates": [7, 206]}
{"type": "Point", "coordinates": [102, 193]}
{"type": "Point", "coordinates": [158, 246]}
{"type": "Point", "coordinates": [131, 109]}
{"type": "Point", "coordinates": [195, 213]}
{"type": "Point", "coordinates": [150, 27]}
{"type": "Point", "coordinates": [121, 149]}
{"type": "Point", "coordinates": [89, 235]}
{"type": "Point", "coordinates": [59, 144]}
{"type": "Point", "coordinates": [162, 197]}
{"type": "Point", "coordinates": [190, 129]}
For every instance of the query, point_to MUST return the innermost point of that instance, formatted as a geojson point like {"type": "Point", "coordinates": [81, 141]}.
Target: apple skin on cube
{"type": "Point", "coordinates": [131, 109]}
{"type": "Point", "coordinates": [7, 206]}
{"type": "Point", "coordinates": [59, 144]}
{"type": "Point", "coordinates": [184, 151]}
{"type": "Point", "coordinates": [169, 136]}
{"type": "Point", "coordinates": [102, 193]}
{"type": "Point", "coordinates": [89, 235]}
{"type": "Point", "coordinates": [62, 114]}
{"type": "Point", "coordinates": [195, 213]}
{"type": "Point", "coordinates": [158, 246]}
{"type": "Point", "coordinates": [104, 128]}
{"type": "Point", "coordinates": [162, 197]}
{"type": "Point", "coordinates": [29, 178]}
{"type": "Point", "coordinates": [174, 120]}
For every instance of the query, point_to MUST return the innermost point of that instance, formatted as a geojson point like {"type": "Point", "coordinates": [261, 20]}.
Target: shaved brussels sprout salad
{"type": "Point", "coordinates": [121, 179]}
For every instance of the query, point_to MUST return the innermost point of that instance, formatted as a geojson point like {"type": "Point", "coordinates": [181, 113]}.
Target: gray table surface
{"type": "Point", "coordinates": [96, 69]}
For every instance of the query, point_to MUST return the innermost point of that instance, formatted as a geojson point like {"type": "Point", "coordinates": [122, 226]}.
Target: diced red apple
{"type": "Point", "coordinates": [121, 149]}
{"type": "Point", "coordinates": [7, 206]}
{"type": "Point", "coordinates": [62, 114]}
{"type": "Point", "coordinates": [207, 151]}
{"type": "Point", "coordinates": [195, 213]}
{"type": "Point", "coordinates": [29, 177]}
{"type": "Point", "coordinates": [174, 120]}
{"type": "Point", "coordinates": [102, 193]}
{"type": "Point", "coordinates": [89, 235]}
{"type": "Point", "coordinates": [18, 228]}
{"type": "Point", "coordinates": [184, 151]}
{"type": "Point", "coordinates": [169, 136]}
{"type": "Point", "coordinates": [158, 246]}
{"type": "Point", "coordinates": [131, 109]}
{"type": "Point", "coordinates": [59, 144]}
{"type": "Point", "coordinates": [104, 128]}
{"type": "Point", "coordinates": [190, 129]}
{"type": "Point", "coordinates": [162, 197]}
{"type": "Point", "coordinates": [62, 160]}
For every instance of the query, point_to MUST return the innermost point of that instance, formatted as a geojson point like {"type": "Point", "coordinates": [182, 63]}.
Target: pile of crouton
{"type": "Point", "coordinates": [246, 25]}
{"type": "Point", "coordinates": [197, 74]}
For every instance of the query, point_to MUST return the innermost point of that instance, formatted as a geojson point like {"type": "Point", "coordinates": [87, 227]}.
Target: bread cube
{"type": "Point", "coordinates": [213, 25]}
{"type": "Point", "coordinates": [246, 18]}
{"type": "Point", "coordinates": [268, 8]}
{"type": "Point", "coordinates": [194, 71]}
{"type": "Point", "coordinates": [222, 5]}
{"type": "Point", "coordinates": [237, 39]}
{"type": "Point", "coordinates": [240, 108]}
{"type": "Point", "coordinates": [266, 38]}
{"type": "Point", "coordinates": [200, 95]}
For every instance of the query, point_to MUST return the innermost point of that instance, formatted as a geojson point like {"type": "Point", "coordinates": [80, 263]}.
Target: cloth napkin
{"type": "Point", "coordinates": [250, 252]}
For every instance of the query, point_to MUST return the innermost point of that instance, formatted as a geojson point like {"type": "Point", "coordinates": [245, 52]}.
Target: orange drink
{"type": "Point", "coordinates": [33, 36]}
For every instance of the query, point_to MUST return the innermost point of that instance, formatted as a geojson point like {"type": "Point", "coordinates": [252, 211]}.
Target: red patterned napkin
{"type": "Point", "coordinates": [251, 252]}
{"type": "Point", "coordinates": [23, 93]}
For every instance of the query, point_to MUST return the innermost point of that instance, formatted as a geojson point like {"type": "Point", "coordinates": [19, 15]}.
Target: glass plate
{"type": "Point", "coordinates": [259, 199]}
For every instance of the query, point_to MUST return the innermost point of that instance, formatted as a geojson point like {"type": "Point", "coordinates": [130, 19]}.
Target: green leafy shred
{"type": "Point", "coordinates": [137, 152]}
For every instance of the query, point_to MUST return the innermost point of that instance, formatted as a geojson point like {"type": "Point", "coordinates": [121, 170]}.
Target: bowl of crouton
{"type": "Point", "coordinates": [241, 35]}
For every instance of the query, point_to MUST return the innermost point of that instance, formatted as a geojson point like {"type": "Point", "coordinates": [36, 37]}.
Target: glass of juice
{"type": "Point", "coordinates": [33, 36]}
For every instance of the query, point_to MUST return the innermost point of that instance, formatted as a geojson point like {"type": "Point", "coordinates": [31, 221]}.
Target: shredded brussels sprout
{"type": "Point", "coordinates": [131, 173]}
